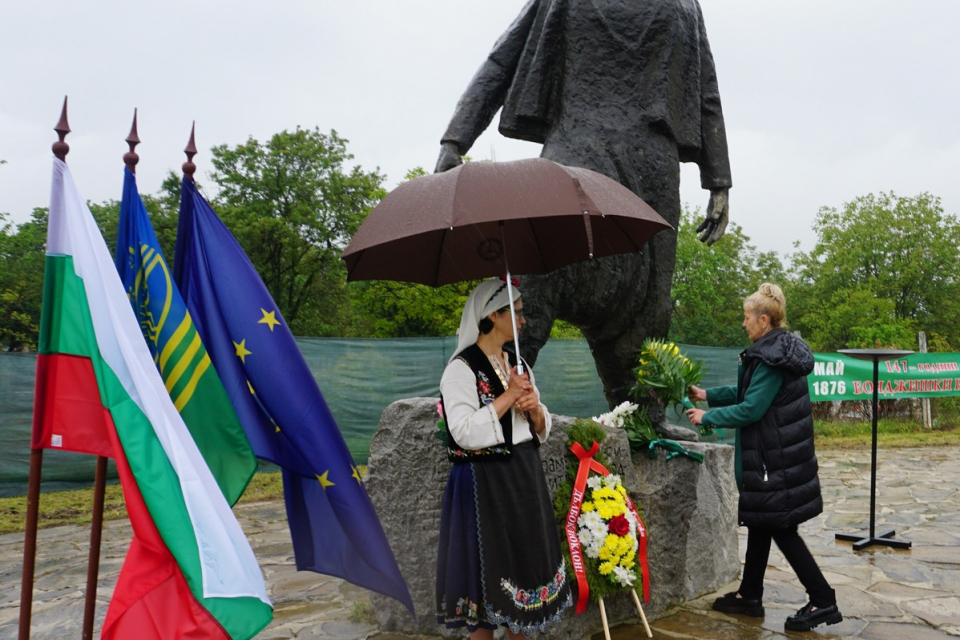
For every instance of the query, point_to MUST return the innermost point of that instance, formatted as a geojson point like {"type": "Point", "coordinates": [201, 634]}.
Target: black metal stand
{"type": "Point", "coordinates": [886, 538]}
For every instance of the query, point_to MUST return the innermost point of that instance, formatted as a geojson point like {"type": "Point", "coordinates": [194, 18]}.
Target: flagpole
{"type": "Point", "coordinates": [96, 535]}
{"type": "Point", "coordinates": [60, 150]}
{"type": "Point", "coordinates": [30, 543]}
{"type": "Point", "coordinates": [189, 168]}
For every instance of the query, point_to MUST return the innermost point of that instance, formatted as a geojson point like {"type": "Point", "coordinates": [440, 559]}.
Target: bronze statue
{"type": "Point", "coordinates": [626, 88]}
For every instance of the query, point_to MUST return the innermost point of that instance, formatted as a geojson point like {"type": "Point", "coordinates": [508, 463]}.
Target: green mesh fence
{"type": "Point", "coordinates": [359, 378]}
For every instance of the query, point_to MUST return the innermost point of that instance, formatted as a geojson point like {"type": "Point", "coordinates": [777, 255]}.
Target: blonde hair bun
{"type": "Point", "coordinates": [770, 301]}
{"type": "Point", "coordinates": [772, 291]}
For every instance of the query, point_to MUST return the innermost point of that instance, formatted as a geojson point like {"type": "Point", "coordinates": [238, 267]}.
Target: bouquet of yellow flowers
{"type": "Point", "coordinates": [664, 372]}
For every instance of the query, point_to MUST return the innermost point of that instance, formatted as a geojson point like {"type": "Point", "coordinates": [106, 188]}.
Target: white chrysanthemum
{"type": "Point", "coordinates": [624, 576]}
{"type": "Point", "coordinates": [594, 482]}
{"type": "Point", "coordinates": [590, 519]}
{"type": "Point", "coordinates": [624, 408]}
{"type": "Point", "coordinates": [616, 417]}
{"type": "Point", "coordinates": [593, 550]}
{"type": "Point", "coordinates": [611, 480]}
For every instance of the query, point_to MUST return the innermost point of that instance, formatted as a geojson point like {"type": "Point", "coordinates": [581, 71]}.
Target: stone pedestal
{"type": "Point", "coordinates": [689, 509]}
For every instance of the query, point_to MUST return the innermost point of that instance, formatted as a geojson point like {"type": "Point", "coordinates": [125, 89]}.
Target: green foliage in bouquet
{"type": "Point", "coordinates": [664, 372]}
{"type": "Point", "coordinates": [585, 432]}
{"type": "Point", "coordinates": [639, 428]}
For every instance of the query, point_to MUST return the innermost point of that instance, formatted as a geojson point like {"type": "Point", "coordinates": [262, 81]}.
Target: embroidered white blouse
{"type": "Point", "coordinates": [474, 426]}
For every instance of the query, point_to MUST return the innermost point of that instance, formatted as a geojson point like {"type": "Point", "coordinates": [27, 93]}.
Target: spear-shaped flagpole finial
{"type": "Point", "coordinates": [191, 150]}
{"type": "Point", "coordinates": [61, 148]}
{"type": "Point", "coordinates": [130, 158]}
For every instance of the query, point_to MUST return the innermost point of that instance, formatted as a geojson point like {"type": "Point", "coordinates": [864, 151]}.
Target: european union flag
{"type": "Point", "coordinates": [334, 527]}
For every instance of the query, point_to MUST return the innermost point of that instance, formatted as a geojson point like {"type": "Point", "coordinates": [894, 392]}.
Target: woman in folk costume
{"type": "Point", "coordinates": [499, 561]}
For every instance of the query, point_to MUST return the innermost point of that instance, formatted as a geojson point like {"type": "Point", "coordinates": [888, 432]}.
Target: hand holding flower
{"type": "Point", "coordinates": [697, 394]}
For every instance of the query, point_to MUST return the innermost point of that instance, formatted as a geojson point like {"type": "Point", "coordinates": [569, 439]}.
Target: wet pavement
{"type": "Point", "coordinates": [884, 593]}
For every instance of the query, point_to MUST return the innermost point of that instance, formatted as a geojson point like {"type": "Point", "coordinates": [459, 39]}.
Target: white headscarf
{"type": "Point", "coordinates": [489, 296]}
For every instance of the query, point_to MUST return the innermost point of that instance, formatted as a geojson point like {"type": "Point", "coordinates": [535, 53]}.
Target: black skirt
{"type": "Point", "coordinates": [499, 561]}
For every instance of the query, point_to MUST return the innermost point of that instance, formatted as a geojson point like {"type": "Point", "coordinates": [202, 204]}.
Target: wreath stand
{"type": "Point", "coordinates": [636, 601]}
{"type": "Point", "coordinates": [587, 463]}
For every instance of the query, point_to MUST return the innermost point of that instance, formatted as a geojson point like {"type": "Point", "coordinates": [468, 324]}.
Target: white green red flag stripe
{"type": "Point", "coordinates": [190, 572]}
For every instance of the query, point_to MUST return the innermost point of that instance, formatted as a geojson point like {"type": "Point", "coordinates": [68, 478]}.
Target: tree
{"type": "Point", "coordinates": [293, 205]}
{"type": "Point", "coordinates": [711, 282]}
{"type": "Point", "coordinates": [884, 267]}
{"type": "Point", "coordinates": [22, 254]}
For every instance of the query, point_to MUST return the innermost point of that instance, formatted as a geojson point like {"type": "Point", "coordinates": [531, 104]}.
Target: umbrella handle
{"type": "Point", "coordinates": [513, 318]}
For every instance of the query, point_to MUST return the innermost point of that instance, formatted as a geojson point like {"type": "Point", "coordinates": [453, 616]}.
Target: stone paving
{"type": "Point", "coordinates": [884, 593]}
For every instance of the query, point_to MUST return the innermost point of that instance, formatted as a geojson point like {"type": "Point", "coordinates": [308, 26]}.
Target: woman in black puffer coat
{"type": "Point", "coordinates": [775, 461]}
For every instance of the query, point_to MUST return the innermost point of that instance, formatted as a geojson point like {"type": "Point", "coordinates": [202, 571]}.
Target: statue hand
{"type": "Point", "coordinates": [449, 157]}
{"type": "Point", "coordinates": [718, 214]}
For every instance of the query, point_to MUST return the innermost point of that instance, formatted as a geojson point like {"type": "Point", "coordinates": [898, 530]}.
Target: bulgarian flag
{"type": "Point", "coordinates": [190, 572]}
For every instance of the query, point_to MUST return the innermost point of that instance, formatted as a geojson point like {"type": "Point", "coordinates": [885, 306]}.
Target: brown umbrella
{"type": "Point", "coordinates": [458, 225]}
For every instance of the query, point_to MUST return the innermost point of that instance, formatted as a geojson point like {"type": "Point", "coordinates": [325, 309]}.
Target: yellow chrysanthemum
{"type": "Point", "coordinates": [621, 490]}
{"type": "Point", "coordinates": [627, 562]}
{"type": "Point", "coordinates": [587, 506]}
{"type": "Point", "coordinates": [606, 568]}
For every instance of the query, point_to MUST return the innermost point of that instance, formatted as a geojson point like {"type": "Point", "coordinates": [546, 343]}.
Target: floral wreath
{"type": "Point", "coordinates": [604, 539]}
{"type": "Point", "coordinates": [607, 529]}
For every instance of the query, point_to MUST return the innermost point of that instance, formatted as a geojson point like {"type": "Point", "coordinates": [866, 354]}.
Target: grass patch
{"type": "Point", "coordinates": [61, 507]}
{"type": "Point", "coordinates": [75, 507]}
{"type": "Point", "coordinates": [363, 613]}
{"type": "Point", "coordinates": [890, 434]}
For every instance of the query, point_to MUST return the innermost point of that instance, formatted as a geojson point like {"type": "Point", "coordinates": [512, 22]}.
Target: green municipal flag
{"type": "Point", "coordinates": [178, 352]}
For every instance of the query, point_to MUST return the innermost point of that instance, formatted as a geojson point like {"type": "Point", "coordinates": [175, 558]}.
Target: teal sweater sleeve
{"type": "Point", "coordinates": [764, 386]}
{"type": "Point", "coordinates": [722, 396]}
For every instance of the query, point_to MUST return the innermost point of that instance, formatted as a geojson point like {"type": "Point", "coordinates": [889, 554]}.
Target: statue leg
{"type": "Point", "coordinates": [540, 310]}
{"type": "Point", "coordinates": [615, 352]}
{"type": "Point", "coordinates": [646, 313]}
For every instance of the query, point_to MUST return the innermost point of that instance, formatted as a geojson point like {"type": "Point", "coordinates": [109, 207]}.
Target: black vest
{"type": "Point", "coordinates": [489, 388]}
{"type": "Point", "coordinates": [780, 487]}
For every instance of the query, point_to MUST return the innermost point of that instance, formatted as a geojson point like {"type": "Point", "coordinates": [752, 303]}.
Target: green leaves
{"type": "Point", "coordinates": [883, 268]}
{"type": "Point", "coordinates": [385, 309]}
{"type": "Point", "coordinates": [293, 204]}
{"type": "Point", "coordinates": [21, 280]}
{"type": "Point", "coordinates": [710, 283]}
{"type": "Point", "coordinates": [664, 372]}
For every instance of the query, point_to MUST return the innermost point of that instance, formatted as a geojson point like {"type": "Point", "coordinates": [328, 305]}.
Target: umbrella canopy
{"type": "Point", "coordinates": [484, 218]}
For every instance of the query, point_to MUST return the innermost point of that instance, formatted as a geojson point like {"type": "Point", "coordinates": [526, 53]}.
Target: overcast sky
{"type": "Point", "coordinates": [824, 100]}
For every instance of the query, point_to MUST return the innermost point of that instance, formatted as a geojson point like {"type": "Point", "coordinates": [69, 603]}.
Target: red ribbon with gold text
{"type": "Point", "coordinates": [588, 464]}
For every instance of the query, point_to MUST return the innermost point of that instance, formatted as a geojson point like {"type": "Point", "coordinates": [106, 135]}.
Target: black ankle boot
{"type": "Point", "coordinates": [807, 618]}
{"type": "Point", "coordinates": [730, 603]}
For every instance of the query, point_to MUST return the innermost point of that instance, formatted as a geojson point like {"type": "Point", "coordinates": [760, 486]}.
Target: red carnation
{"type": "Point", "coordinates": [618, 526]}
